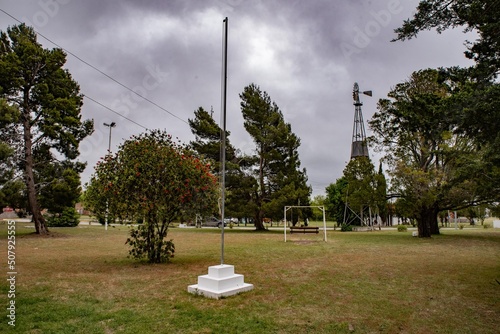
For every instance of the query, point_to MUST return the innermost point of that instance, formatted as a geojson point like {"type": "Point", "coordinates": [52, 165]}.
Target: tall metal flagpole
{"type": "Point", "coordinates": [223, 142]}
{"type": "Point", "coordinates": [221, 280]}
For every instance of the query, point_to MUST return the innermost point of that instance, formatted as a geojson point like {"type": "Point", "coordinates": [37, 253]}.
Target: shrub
{"type": "Point", "coordinates": [141, 240]}
{"type": "Point", "coordinates": [102, 220]}
{"type": "Point", "coordinates": [402, 228]}
{"type": "Point", "coordinates": [461, 226]}
{"type": "Point", "coordinates": [345, 227]}
{"type": "Point", "coordinates": [68, 218]}
{"type": "Point", "coordinates": [486, 225]}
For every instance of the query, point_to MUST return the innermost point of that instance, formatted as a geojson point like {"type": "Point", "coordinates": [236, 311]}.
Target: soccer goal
{"type": "Point", "coordinates": [304, 229]}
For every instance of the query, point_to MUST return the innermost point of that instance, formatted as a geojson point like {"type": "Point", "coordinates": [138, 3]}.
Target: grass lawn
{"type": "Point", "coordinates": [79, 280]}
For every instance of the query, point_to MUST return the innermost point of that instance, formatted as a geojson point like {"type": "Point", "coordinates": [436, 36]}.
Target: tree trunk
{"type": "Point", "coordinates": [34, 207]}
{"type": "Point", "coordinates": [427, 222]}
{"type": "Point", "coordinates": [259, 225]}
{"type": "Point", "coordinates": [434, 224]}
{"type": "Point", "coordinates": [258, 221]}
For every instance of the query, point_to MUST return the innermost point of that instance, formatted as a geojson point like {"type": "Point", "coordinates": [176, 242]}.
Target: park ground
{"type": "Point", "coordinates": [80, 280]}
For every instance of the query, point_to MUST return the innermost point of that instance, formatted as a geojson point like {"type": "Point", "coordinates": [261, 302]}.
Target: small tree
{"type": "Point", "coordinates": [153, 178]}
{"type": "Point", "coordinates": [361, 190]}
{"type": "Point", "coordinates": [335, 201]}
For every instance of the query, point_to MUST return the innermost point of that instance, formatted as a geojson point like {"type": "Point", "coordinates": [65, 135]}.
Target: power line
{"type": "Point", "coordinates": [116, 112]}
{"type": "Point", "coordinates": [98, 70]}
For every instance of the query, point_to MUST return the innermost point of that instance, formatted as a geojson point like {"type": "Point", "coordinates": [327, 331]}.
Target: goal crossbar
{"type": "Point", "coordinates": [288, 207]}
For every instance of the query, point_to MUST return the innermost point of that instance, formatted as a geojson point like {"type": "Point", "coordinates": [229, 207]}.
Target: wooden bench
{"type": "Point", "coordinates": [304, 229]}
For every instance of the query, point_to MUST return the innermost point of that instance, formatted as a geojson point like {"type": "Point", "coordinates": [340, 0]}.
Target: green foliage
{"type": "Point", "coordinates": [259, 185]}
{"type": "Point", "coordinates": [153, 178]}
{"type": "Point", "coordinates": [8, 115]}
{"type": "Point", "coordinates": [361, 185]}
{"type": "Point", "coordinates": [317, 214]}
{"type": "Point", "coordinates": [67, 218]}
{"type": "Point", "coordinates": [13, 194]}
{"type": "Point", "coordinates": [432, 168]}
{"type": "Point", "coordinates": [41, 122]}
{"type": "Point", "coordinates": [469, 105]}
{"type": "Point", "coordinates": [474, 15]}
{"type": "Point", "coordinates": [238, 185]}
{"type": "Point", "coordinates": [63, 191]}
{"type": "Point", "coordinates": [279, 180]}
{"type": "Point", "coordinates": [335, 200]}
{"type": "Point", "coordinates": [145, 244]}
{"type": "Point", "coordinates": [344, 227]}
{"type": "Point", "coordinates": [402, 228]}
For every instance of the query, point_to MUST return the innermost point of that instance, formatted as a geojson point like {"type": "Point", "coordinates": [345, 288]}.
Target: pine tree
{"type": "Point", "coordinates": [207, 143]}
{"type": "Point", "coordinates": [276, 164]}
{"type": "Point", "coordinates": [48, 101]}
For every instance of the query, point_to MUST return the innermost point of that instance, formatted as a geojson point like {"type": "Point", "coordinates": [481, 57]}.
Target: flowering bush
{"type": "Point", "coordinates": [153, 178]}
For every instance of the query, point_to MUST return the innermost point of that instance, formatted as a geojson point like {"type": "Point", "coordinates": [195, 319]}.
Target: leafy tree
{"type": "Point", "coordinates": [47, 103]}
{"type": "Point", "coordinates": [433, 169]}
{"type": "Point", "coordinates": [153, 178]}
{"type": "Point", "coordinates": [317, 214]}
{"type": "Point", "coordinates": [275, 163]}
{"type": "Point", "coordinates": [482, 16]}
{"type": "Point", "coordinates": [476, 92]}
{"type": "Point", "coordinates": [335, 201]}
{"type": "Point", "coordinates": [361, 187]}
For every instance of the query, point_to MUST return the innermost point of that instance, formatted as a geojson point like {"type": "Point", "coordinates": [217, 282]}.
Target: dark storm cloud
{"type": "Point", "coordinates": [305, 54]}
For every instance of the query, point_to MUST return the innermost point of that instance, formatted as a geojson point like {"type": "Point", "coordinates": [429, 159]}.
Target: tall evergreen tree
{"type": "Point", "coordinates": [207, 143]}
{"type": "Point", "coordinates": [33, 81]}
{"type": "Point", "coordinates": [276, 164]}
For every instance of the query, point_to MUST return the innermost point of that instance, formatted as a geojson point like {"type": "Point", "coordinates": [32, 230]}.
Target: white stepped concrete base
{"type": "Point", "coordinates": [221, 281]}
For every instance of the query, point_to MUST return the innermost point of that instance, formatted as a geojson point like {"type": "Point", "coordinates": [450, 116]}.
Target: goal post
{"type": "Point", "coordinates": [288, 207]}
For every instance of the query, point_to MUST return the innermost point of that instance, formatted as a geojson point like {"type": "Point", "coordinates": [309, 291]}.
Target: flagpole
{"type": "Point", "coordinates": [210, 285]}
{"type": "Point", "coordinates": [223, 142]}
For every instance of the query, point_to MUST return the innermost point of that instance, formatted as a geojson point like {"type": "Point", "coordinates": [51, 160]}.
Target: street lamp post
{"type": "Point", "coordinates": [110, 126]}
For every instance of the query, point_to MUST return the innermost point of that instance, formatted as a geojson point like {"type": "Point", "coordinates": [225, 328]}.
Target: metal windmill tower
{"type": "Point", "coordinates": [359, 147]}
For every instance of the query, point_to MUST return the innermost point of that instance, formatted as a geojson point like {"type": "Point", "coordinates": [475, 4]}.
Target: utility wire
{"type": "Point", "coordinates": [98, 70]}
{"type": "Point", "coordinates": [116, 112]}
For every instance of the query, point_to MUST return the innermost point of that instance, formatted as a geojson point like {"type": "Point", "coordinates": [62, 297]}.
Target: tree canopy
{"type": "Point", "coordinates": [238, 184]}
{"type": "Point", "coordinates": [259, 183]}
{"type": "Point", "coordinates": [276, 163]}
{"type": "Point", "coordinates": [481, 16]}
{"type": "Point", "coordinates": [432, 167]}
{"type": "Point", "coordinates": [44, 105]}
{"type": "Point", "coordinates": [471, 106]}
{"type": "Point", "coordinates": [151, 177]}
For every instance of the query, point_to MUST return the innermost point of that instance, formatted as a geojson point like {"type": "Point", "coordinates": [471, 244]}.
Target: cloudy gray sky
{"type": "Point", "coordinates": [305, 54]}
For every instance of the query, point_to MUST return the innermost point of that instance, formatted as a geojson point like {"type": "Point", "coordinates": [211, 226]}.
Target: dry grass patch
{"type": "Point", "coordinates": [81, 281]}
